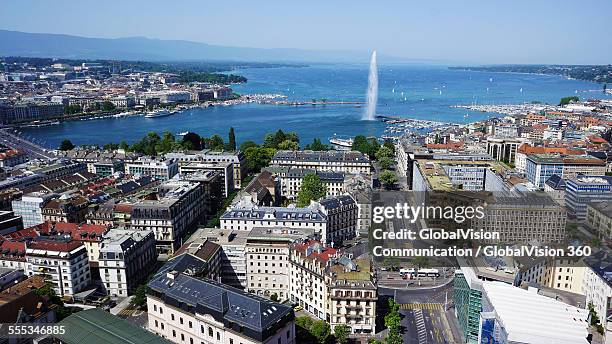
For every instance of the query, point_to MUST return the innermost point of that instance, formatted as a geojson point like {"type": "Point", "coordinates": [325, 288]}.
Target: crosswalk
{"type": "Point", "coordinates": [429, 305]}
{"type": "Point", "coordinates": [420, 325]}
{"type": "Point", "coordinates": [126, 312]}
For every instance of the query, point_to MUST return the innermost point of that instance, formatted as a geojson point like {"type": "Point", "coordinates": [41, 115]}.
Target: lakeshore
{"type": "Point", "coordinates": [323, 101]}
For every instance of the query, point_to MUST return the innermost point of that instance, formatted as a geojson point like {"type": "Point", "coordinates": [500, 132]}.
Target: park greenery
{"type": "Point", "coordinates": [393, 322]}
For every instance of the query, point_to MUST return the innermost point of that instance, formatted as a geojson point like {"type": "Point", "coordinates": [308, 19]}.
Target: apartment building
{"type": "Point", "coordinates": [245, 216]}
{"type": "Point", "coordinates": [291, 180]}
{"type": "Point", "coordinates": [337, 161]}
{"type": "Point", "coordinates": [233, 257]}
{"type": "Point", "coordinates": [585, 189]}
{"type": "Point", "coordinates": [597, 285]}
{"type": "Point", "coordinates": [309, 280]}
{"type": "Point", "coordinates": [341, 213]}
{"type": "Point", "coordinates": [61, 261]}
{"type": "Point", "coordinates": [66, 209]}
{"type": "Point", "coordinates": [353, 296]}
{"type": "Point", "coordinates": [333, 286]}
{"type": "Point", "coordinates": [267, 257]}
{"type": "Point", "coordinates": [12, 254]}
{"type": "Point", "coordinates": [540, 167]}
{"type": "Point", "coordinates": [207, 156]}
{"type": "Point", "coordinates": [176, 209]}
{"type": "Point", "coordinates": [30, 206]}
{"type": "Point", "coordinates": [207, 252]}
{"type": "Point", "coordinates": [189, 170]}
{"type": "Point", "coordinates": [556, 273]}
{"type": "Point", "coordinates": [599, 218]}
{"type": "Point", "coordinates": [520, 163]}
{"type": "Point", "coordinates": [126, 258]}
{"type": "Point", "coordinates": [159, 168]}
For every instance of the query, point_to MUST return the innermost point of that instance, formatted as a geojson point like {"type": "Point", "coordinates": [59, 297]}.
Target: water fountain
{"type": "Point", "coordinates": [372, 95]}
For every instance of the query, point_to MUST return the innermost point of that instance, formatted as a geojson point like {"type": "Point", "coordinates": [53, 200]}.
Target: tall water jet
{"type": "Point", "coordinates": [372, 95]}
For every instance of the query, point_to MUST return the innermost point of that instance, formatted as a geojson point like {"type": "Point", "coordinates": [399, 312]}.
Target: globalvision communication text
{"type": "Point", "coordinates": [401, 230]}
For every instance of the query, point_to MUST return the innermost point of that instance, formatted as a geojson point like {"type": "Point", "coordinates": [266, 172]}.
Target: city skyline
{"type": "Point", "coordinates": [473, 32]}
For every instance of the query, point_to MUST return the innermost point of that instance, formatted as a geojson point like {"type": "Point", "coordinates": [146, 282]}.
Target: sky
{"type": "Point", "coordinates": [470, 31]}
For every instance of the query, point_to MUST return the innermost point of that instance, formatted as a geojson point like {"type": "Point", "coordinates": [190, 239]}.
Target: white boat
{"type": "Point", "coordinates": [183, 133]}
{"type": "Point", "coordinates": [157, 113]}
{"type": "Point", "coordinates": [343, 144]}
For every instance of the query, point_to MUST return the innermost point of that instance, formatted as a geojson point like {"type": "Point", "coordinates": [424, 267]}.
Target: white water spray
{"type": "Point", "coordinates": [372, 95]}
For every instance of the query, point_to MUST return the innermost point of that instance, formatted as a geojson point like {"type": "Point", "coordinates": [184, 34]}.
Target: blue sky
{"type": "Point", "coordinates": [471, 31]}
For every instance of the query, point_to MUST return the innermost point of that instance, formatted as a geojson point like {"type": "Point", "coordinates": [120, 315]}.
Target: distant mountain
{"type": "Point", "coordinates": [14, 43]}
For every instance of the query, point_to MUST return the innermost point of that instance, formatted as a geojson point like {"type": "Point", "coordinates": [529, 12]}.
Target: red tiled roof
{"type": "Point", "coordinates": [528, 149]}
{"type": "Point", "coordinates": [323, 256]}
{"type": "Point", "coordinates": [84, 232]}
{"type": "Point", "coordinates": [12, 250]}
{"type": "Point", "coordinates": [51, 245]}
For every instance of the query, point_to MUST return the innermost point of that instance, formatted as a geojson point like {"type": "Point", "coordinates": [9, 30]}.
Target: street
{"type": "Point", "coordinates": [424, 319]}
{"type": "Point", "coordinates": [33, 150]}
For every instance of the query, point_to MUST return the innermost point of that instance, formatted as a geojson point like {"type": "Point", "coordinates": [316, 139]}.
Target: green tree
{"type": "Point", "coordinates": [216, 142]}
{"type": "Point", "coordinates": [384, 152]}
{"type": "Point", "coordinates": [389, 144]}
{"type": "Point", "coordinates": [47, 291]}
{"type": "Point", "coordinates": [391, 262]}
{"type": "Point", "coordinates": [320, 330]}
{"type": "Point", "coordinates": [258, 157]}
{"type": "Point", "coordinates": [312, 189]}
{"type": "Point", "coordinates": [140, 297]}
{"type": "Point", "coordinates": [231, 140]}
{"type": "Point", "coordinates": [148, 144]}
{"type": "Point", "coordinates": [110, 146]}
{"type": "Point", "coordinates": [194, 139]}
{"type": "Point", "coordinates": [567, 100]}
{"type": "Point", "coordinates": [316, 145]}
{"type": "Point", "coordinates": [394, 337]}
{"type": "Point", "coordinates": [289, 145]}
{"type": "Point", "coordinates": [302, 329]}
{"type": "Point", "coordinates": [393, 322]}
{"type": "Point", "coordinates": [72, 109]}
{"type": "Point", "coordinates": [292, 136]}
{"type": "Point", "coordinates": [274, 140]}
{"type": "Point", "coordinates": [167, 143]}
{"type": "Point", "coordinates": [388, 179]}
{"type": "Point", "coordinates": [368, 146]}
{"type": "Point", "coordinates": [360, 144]}
{"type": "Point", "coordinates": [341, 332]}
{"type": "Point", "coordinates": [108, 106]}
{"type": "Point", "coordinates": [248, 144]}
{"type": "Point", "coordinates": [385, 163]}
{"type": "Point", "coordinates": [274, 297]}
{"type": "Point", "coordinates": [124, 145]}
{"type": "Point", "coordinates": [66, 145]}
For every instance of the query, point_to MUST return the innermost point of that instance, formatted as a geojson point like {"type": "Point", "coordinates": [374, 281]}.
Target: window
{"type": "Point", "coordinates": [210, 332]}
